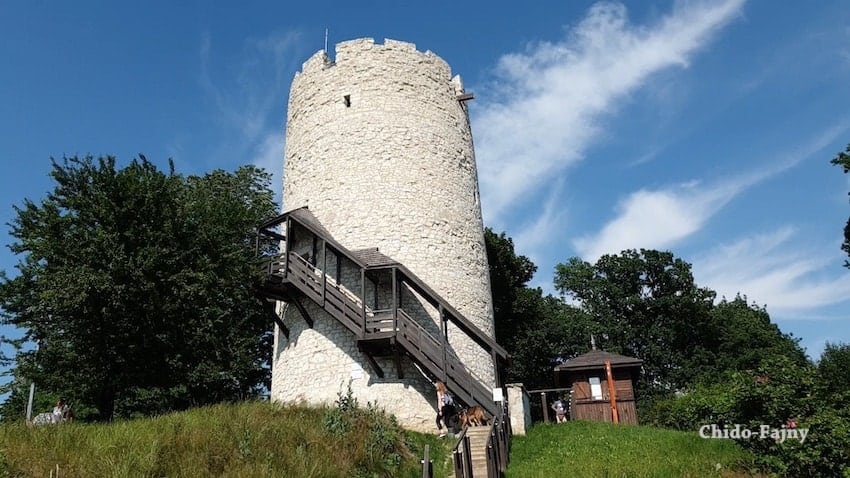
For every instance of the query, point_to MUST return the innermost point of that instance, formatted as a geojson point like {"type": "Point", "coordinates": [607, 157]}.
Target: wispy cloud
{"type": "Point", "coordinates": [249, 96]}
{"type": "Point", "coordinates": [777, 270]}
{"type": "Point", "coordinates": [553, 96]}
{"type": "Point", "coordinates": [658, 219]}
{"type": "Point", "coordinates": [542, 228]}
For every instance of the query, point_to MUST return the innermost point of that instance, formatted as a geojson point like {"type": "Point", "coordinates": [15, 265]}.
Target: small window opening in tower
{"type": "Point", "coordinates": [347, 99]}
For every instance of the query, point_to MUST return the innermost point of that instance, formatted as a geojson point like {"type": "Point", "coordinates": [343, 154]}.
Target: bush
{"type": "Point", "coordinates": [384, 438]}
{"type": "Point", "coordinates": [777, 391]}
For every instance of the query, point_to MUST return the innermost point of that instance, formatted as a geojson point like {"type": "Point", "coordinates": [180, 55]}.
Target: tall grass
{"type": "Point", "coordinates": [586, 449]}
{"type": "Point", "coordinates": [242, 440]}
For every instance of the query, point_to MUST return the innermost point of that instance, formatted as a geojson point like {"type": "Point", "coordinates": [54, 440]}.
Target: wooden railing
{"type": "Point", "coordinates": [499, 445]}
{"type": "Point", "coordinates": [434, 355]}
{"type": "Point", "coordinates": [462, 456]}
{"type": "Point", "coordinates": [345, 306]}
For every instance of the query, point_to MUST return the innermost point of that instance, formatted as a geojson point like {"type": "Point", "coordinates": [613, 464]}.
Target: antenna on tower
{"type": "Point", "coordinates": [326, 40]}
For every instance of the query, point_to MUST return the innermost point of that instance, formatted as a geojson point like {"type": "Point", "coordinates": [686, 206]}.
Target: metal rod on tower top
{"type": "Point", "coordinates": [326, 40]}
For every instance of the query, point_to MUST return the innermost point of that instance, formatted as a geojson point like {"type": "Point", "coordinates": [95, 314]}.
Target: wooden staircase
{"type": "Point", "coordinates": [478, 437]}
{"type": "Point", "coordinates": [290, 276]}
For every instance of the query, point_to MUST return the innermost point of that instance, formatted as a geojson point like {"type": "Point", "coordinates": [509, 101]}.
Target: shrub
{"type": "Point", "coordinates": [778, 390]}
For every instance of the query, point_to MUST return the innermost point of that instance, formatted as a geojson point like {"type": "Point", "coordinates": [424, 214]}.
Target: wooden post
{"type": "Point", "coordinates": [363, 299]}
{"type": "Point", "coordinates": [612, 392]}
{"type": "Point", "coordinates": [395, 301]}
{"type": "Point", "coordinates": [338, 267]}
{"type": "Point", "coordinates": [286, 248]}
{"type": "Point", "coordinates": [29, 402]}
{"type": "Point", "coordinates": [545, 407]}
{"type": "Point", "coordinates": [324, 270]}
{"type": "Point", "coordinates": [445, 338]}
{"type": "Point", "coordinates": [427, 464]}
{"type": "Point", "coordinates": [313, 261]}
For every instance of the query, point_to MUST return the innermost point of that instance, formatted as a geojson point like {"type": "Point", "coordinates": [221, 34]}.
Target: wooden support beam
{"type": "Point", "coordinates": [465, 97]}
{"type": "Point", "coordinates": [374, 364]}
{"type": "Point", "coordinates": [397, 359]}
{"type": "Point", "coordinates": [283, 328]}
{"type": "Point", "coordinates": [303, 311]}
{"type": "Point", "coordinates": [269, 307]}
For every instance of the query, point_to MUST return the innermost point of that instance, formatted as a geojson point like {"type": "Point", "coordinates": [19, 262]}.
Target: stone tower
{"type": "Point", "coordinates": [379, 149]}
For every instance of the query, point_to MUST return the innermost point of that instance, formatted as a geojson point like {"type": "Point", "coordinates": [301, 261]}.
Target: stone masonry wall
{"type": "Point", "coordinates": [380, 150]}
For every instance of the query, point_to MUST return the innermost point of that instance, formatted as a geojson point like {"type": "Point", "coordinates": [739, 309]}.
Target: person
{"type": "Point", "coordinates": [560, 411]}
{"type": "Point", "coordinates": [445, 408]}
{"type": "Point", "coordinates": [61, 412]}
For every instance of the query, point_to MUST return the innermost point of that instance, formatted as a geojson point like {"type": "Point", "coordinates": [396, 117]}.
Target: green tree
{"type": "Point", "coordinates": [536, 329]}
{"type": "Point", "coordinates": [834, 374]}
{"type": "Point", "coordinates": [843, 159]}
{"type": "Point", "coordinates": [550, 332]}
{"type": "Point", "coordinates": [509, 276]}
{"type": "Point", "coordinates": [647, 306]}
{"type": "Point", "coordinates": [137, 287]}
{"type": "Point", "coordinates": [746, 337]}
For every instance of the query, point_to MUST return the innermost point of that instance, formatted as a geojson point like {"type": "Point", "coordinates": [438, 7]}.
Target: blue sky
{"type": "Point", "coordinates": [705, 128]}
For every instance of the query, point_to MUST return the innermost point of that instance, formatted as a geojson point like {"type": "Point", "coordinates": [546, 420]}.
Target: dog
{"type": "Point", "coordinates": [473, 416]}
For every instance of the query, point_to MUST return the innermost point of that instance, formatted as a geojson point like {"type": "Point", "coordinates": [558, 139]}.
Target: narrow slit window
{"type": "Point", "coordinates": [347, 100]}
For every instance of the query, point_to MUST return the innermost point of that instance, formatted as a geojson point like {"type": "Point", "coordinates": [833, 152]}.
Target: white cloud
{"type": "Point", "coordinates": [542, 228]}
{"type": "Point", "coordinates": [554, 95]}
{"type": "Point", "coordinates": [661, 218]}
{"type": "Point", "coordinates": [653, 220]}
{"type": "Point", "coordinates": [775, 270]}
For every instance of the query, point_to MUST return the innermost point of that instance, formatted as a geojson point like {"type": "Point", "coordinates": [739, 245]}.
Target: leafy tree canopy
{"type": "Point", "coordinates": [843, 159]}
{"type": "Point", "coordinates": [509, 274]}
{"type": "Point", "coordinates": [136, 285]}
{"type": "Point", "coordinates": [834, 372]}
{"type": "Point", "coordinates": [536, 329]}
{"type": "Point", "coordinates": [647, 305]}
{"type": "Point", "coordinates": [746, 338]}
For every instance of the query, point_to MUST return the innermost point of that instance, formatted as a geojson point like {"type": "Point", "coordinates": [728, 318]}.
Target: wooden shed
{"type": "Point", "coordinates": [590, 393]}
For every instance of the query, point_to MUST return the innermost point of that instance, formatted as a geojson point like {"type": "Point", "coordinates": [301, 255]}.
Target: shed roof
{"type": "Point", "coordinates": [596, 359]}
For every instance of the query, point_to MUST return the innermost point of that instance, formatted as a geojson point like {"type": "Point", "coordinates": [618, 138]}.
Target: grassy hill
{"type": "Point", "coordinates": [261, 439]}
{"type": "Point", "coordinates": [243, 440]}
{"type": "Point", "coordinates": [586, 449]}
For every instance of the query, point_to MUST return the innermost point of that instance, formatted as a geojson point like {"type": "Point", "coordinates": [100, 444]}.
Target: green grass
{"type": "Point", "coordinates": [260, 439]}
{"type": "Point", "coordinates": [586, 449]}
{"type": "Point", "coordinates": [243, 440]}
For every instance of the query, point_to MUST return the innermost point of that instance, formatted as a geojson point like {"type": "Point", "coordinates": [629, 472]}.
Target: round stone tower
{"type": "Point", "coordinates": [379, 148]}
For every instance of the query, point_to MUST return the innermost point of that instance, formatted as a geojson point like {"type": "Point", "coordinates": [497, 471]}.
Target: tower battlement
{"type": "Point", "coordinates": [391, 51]}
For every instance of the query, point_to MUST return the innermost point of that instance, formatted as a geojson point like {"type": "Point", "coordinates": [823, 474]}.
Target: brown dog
{"type": "Point", "coordinates": [473, 416]}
